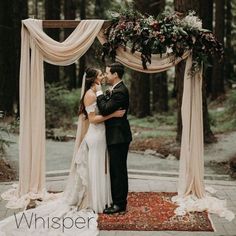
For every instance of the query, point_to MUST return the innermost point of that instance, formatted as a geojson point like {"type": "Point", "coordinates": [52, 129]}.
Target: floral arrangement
{"type": "Point", "coordinates": [167, 33]}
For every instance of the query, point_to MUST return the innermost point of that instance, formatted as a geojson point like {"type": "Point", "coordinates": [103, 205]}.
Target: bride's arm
{"type": "Point", "coordinates": [93, 118]}
{"type": "Point", "coordinates": [90, 98]}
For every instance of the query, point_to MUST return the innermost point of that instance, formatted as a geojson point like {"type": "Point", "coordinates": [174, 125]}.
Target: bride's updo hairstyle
{"type": "Point", "coordinates": [90, 77]}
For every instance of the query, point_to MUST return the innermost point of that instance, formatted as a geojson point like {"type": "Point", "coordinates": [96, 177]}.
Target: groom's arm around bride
{"type": "Point", "coordinates": [118, 134]}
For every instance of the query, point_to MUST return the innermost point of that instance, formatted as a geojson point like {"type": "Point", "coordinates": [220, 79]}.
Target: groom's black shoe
{"type": "Point", "coordinates": [114, 209]}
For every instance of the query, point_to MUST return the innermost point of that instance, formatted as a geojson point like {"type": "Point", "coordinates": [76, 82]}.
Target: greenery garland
{"type": "Point", "coordinates": [167, 33]}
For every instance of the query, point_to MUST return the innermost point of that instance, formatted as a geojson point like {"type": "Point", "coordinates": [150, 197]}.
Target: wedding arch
{"type": "Point", "coordinates": [37, 47]}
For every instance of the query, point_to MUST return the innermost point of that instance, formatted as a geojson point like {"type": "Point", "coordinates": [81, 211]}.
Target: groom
{"type": "Point", "coordinates": [118, 135]}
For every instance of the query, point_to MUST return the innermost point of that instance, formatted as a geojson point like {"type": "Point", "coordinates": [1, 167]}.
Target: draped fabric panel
{"type": "Point", "coordinates": [36, 47]}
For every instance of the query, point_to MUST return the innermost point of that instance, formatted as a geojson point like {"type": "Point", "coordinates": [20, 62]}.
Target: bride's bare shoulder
{"type": "Point", "coordinates": [89, 98]}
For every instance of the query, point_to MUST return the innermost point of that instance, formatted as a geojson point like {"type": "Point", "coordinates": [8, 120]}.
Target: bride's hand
{"type": "Point", "coordinates": [118, 113]}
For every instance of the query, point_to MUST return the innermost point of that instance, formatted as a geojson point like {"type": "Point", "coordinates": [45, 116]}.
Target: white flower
{"type": "Point", "coordinates": [169, 50]}
{"type": "Point", "coordinates": [192, 21]}
{"type": "Point", "coordinates": [114, 14]}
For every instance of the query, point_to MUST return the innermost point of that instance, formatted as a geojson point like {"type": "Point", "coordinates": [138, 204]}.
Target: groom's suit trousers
{"type": "Point", "coordinates": [118, 173]}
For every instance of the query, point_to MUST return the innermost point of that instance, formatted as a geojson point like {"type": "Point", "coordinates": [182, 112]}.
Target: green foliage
{"type": "Point", "coordinates": [159, 125]}
{"type": "Point", "coordinates": [231, 104]}
{"type": "Point", "coordinates": [14, 125]}
{"type": "Point", "coordinates": [157, 133]}
{"type": "Point", "coordinates": [166, 33]}
{"type": "Point", "coordinates": [61, 105]}
{"type": "Point", "coordinates": [4, 142]}
{"type": "Point", "coordinates": [223, 120]}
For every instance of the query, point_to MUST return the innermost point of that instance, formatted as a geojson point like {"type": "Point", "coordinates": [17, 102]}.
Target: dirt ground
{"type": "Point", "coordinates": [6, 171]}
{"type": "Point", "coordinates": [164, 146]}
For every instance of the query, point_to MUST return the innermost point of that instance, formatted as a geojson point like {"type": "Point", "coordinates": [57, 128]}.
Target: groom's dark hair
{"type": "Point", "coordinates": [118, 68]}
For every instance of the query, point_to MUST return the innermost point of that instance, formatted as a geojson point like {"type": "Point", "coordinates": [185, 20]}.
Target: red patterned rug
{"type": "Point", "coordinates": [154, 211]}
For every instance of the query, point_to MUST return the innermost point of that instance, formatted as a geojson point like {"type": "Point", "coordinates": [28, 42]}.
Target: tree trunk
{"type": "Point", "coordinates": [218, 68]}
{"type": "Point", "coordinates": [140, 82]}
{"type": "Point", "coordinates": [229, 62]}
{"type": "Point", "coordinates": [21, 12]}
{"type": "Point", "coordinates": [160, 92]}
{"type": "Point", "coordinates": [11, 14]}
{"type": "Point", "coordinates": [82, 61]}
{"type": "Point", "coordinates": [6, 56]}
{"type": "Point", "coordinates": [233, 42]}
{"type": "Point", "coordinates": [52, 12]}
{"type": "Point", "coordinates": [99, 9]}
{"type": "Point", "coordinates": [185, 6]}
{"type": "Point", "coordinates": [182, 6]}
{"type": "Point", "coordinates": [36, 9]}
{"type": "Point", "coordinates": [70, 14]}
{"type": "Point", "coordinates": [206, 14]}
{"type": "Point", "coordinates": [140, 94]}
{"type": "Point", "coordinates": [159, 84]}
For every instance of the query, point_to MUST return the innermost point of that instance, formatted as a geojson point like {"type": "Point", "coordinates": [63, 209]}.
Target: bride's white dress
{"type": "Point", "coordinates": [74, 211]}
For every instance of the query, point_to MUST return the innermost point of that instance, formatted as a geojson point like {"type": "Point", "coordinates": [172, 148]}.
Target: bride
{"type": "Point", "coordinates": [87, 190]}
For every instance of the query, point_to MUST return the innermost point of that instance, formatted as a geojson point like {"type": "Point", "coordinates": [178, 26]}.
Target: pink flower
{"type": "Point", "coordinates": [122, 26]}
{"type": "Point", "coordinates": [155, 25]}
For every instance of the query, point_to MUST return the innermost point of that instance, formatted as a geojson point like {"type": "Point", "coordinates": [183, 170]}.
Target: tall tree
{"type": "Point", "coordinates": [20, 13]}
{"type": "Point", "coordinates": [6, 56]}
{"type": "Point", "coordinates": [140, 94]}
{"type": "Point", "coordinates": [218, 69]}
{"type": "Point", "coordinates": [82, 61]}
{"type": "Point", "coordinates": [233, 32]}
{"type": "Point", "coordinates": [229, 61]}
{"type": "Point", "coordinates": [99, 11]}
{"type": "Point", "coordinates": [52, 12]}
{"type": "Point", "coordinates": [70, 14]}
{"type": "Point", "coordinates": [206, 15]}
{"type": "Point", "coordinates": [184, 6]}
{"type": "Point", "coordinates": [11, 14]}
{"type": "Point", "coordinates": [159, 84]}
{"type": "Point", "coordinates": [140, 83]}
{"type": "Point", "coordinates": [36, 8]}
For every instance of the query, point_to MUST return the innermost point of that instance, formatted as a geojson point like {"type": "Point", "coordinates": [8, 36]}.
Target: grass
{"type": "Point", "coordinates": [154, 121]}
{"type": "Point", "coordinates": [157, 134]}
{"type": "Point", "coordinates": [223, 119]}
{"type": "Point", "coordinates": [158, 125]}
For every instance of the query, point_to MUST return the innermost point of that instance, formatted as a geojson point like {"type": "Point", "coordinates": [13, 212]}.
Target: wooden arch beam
{"type": "Point", "coordinates": [66, 23]}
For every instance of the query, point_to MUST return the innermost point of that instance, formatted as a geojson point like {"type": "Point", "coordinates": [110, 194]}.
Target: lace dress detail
{"type": "Point", "coordinates": [91, 108]}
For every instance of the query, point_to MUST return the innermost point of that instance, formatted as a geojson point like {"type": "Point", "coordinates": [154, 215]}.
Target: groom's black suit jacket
{"type": "Point", "coordinates": [117, 129]}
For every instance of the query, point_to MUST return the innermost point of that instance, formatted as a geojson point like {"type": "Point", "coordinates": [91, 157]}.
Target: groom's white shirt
{"type": "Point", "coordinates": [98, 93]}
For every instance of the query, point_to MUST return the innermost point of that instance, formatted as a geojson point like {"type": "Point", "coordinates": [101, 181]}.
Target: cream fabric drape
{"type": "Point", "coordinates": [191, 172]}
{"type": "Point", "coordinates": [37, 47]}
{"type": "Point", "coordinates": [32, 135]}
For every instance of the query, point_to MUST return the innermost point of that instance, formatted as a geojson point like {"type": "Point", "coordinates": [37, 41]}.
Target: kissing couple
{"type": "Point", "coordinates": [107, 139]}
